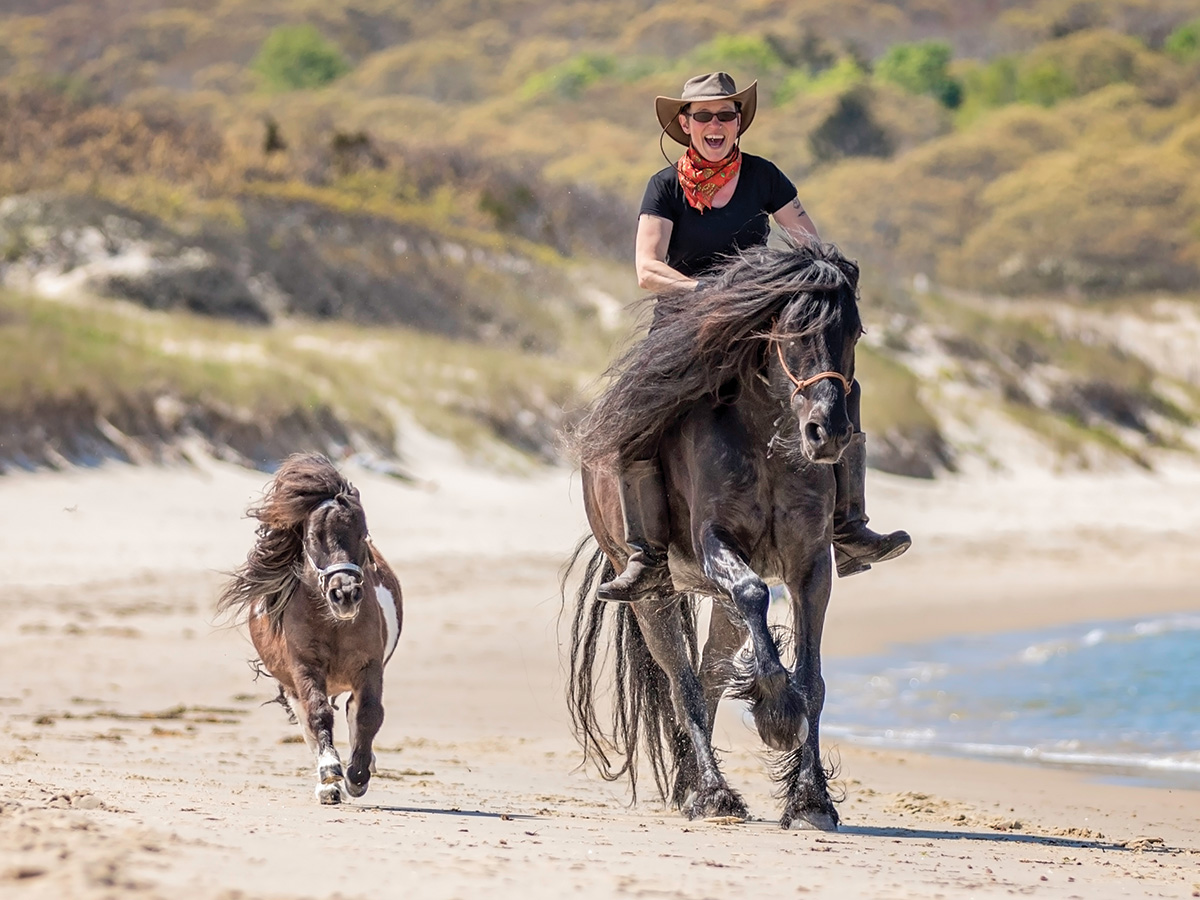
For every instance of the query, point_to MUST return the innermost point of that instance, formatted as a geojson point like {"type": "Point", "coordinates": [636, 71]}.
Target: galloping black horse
{"type": "Point", "coordinates": [749, 377]}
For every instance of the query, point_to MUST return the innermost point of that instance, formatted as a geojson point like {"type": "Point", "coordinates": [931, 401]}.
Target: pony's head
{"type": "Point", "coordinates": [335, 551]}
{"type": "Point", "coordinates": [811, 359]}
{"type": "Point", "coordinates": [313, 533]}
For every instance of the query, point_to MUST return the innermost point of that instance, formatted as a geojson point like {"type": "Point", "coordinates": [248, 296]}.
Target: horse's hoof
{"type": "Point", "coordinates": [355, 790]}
{"type": "Point", "coordinates": [811, 821]}
{"type": "Point", "coordinates": [329, 794]}
{"type": "Point", "coordinates": [717, 802]}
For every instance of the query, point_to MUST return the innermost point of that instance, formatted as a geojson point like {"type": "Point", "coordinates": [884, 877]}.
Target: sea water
{"type": "Point", "coordinates": [1122, 698]}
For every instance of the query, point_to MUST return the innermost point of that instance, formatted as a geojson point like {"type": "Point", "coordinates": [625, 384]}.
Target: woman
{"type": "Point", "coordinates": [714, 202]}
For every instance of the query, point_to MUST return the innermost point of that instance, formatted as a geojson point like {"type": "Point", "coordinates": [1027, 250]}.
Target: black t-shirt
{"type": "Point", "coordinates": [698, 241]}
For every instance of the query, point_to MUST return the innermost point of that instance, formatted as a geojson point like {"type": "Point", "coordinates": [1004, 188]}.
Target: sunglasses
{"type": "Point", "coordinates": [704, 116]}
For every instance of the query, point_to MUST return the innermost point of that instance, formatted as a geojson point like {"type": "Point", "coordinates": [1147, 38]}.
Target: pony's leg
{"type": "Point", "coordinates": [659, 622]}
{"type": "Point", "coordinates": [364, 712]}
{"type": "Point", "coordinates": [778, 707]}
{"type": "Point", "coordinates": [316, 719]}
{"type": "Point", "coordinates": [804, 781]}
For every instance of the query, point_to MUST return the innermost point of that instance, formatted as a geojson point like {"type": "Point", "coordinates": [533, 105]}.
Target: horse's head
{"type": "Point", "coordinates": [335, 546]}
{"type": "Point", "coordinates": [811, 361]}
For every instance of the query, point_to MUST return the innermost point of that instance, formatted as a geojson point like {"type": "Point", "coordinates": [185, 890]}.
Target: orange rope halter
{"type": "Point", "coordinates": [801, 384]}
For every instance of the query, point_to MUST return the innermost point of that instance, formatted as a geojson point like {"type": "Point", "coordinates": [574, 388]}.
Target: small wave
{"type": "Point", "coordinates": [928, 740]}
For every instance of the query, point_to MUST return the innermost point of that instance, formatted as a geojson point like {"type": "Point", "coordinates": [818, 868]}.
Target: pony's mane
{"type": "Point", "coordinates": [703, 339]}
{"type": "Point", "coordinates": [273, 566]}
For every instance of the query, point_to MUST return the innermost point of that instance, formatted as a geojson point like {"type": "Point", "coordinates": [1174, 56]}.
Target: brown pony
{"type": "Point", "coordinates": [302, 591]}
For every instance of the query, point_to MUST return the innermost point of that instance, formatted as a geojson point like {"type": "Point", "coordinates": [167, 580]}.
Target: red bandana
{"type": "Point", "coordinates": [701, 179]}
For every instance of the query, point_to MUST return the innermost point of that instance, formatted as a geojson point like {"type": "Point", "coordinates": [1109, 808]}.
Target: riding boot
{"type": "Point", "coordinates": [855, 546]}
{"type": "Point", "coordinates": [647, 531]}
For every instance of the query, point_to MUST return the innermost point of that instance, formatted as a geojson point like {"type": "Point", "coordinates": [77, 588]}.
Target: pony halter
{"type": "Point", "coordinates": [343, 568]}
{"type": "Point", "coordinates": [801, 384]}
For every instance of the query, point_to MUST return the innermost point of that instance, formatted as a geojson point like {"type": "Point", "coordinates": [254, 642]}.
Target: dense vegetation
{"type": "Point", "coordinates": [450, 165]}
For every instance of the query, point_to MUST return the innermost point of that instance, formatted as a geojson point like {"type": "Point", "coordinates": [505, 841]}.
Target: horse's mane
{"type": "Point", "coordinates": [272, 568]}
{"type": "Point", "coordinates": [702, 340]}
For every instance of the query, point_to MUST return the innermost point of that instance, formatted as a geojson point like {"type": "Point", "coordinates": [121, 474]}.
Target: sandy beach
{"type": "Point", "coordinates": [138, 759]}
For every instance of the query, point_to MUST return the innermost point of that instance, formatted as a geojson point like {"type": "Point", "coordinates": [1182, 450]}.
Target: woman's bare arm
{"type": "Point", "coordinates": [796, 222]}
{"type": "Point", "coordinates": [650, 256]}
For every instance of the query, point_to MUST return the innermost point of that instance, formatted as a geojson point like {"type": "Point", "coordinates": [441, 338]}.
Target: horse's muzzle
{"type": "Point", "coordinates": [344, 595]}
{"type": "Point", "coordinates": [823, 446]}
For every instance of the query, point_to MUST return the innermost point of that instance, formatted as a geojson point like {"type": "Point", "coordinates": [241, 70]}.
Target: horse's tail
{"type": "Point", "coordinates": [642, 715]}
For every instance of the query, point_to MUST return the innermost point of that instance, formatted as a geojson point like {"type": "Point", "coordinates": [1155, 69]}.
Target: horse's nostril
{"type": "Point", "coordinates": [815, 433]}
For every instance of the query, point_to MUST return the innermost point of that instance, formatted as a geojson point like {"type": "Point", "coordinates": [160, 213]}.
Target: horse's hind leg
{"type": "Point", "coordinates": [315, 713]}
{"type": "Point", "coordinates": [364, 712]}
{"type": "Point", "coordinates": [778, 707]}
{"type": "Point", "coordinates": [659, 622]}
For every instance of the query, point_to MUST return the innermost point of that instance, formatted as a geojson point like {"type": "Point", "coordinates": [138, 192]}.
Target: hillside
{"type": "Point", "coordinates": [1019, 179]}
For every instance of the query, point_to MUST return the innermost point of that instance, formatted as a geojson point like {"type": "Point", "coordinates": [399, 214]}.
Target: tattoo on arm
{"type": "Point", "coordinates": [797, 207]}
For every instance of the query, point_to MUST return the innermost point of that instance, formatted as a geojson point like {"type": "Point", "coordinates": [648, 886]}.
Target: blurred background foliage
{"type": "Point", "coordinates": [939, 100]}
{"type": "Point", "coordinates": [1029, 148]}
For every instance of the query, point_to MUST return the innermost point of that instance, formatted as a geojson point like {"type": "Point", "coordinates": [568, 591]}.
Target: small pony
{"type": "Point", "coordinates": [302, 591]}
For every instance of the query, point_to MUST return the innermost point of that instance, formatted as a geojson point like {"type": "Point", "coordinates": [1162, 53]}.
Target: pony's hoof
{"type": "Point", "coordinates": [811, 821]}
{"type": "Point", "coordinates": [329, 794]}
{"type": "Point", "coordinates": [330, 772]}
{"type": "Point", "coordinates": [355, 790]}
{"type": "Point", "coordinates": [356, 781]}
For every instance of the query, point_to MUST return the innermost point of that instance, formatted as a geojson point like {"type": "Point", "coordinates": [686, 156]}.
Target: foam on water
{"type": "Point", "coordinates": [1121, 697]}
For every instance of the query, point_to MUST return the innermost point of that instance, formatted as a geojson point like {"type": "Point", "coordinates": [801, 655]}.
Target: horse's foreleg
{"type": "Point", "coordinates": [778, 708]}
{"type": "Point", "coordinates": [807, 802]}
{"type": "Point", "coordinates": [364, 712]}
{"type": "Point", "coordinates": [659, 623]}
{"type": "Point", "coordinates": [316, 719]}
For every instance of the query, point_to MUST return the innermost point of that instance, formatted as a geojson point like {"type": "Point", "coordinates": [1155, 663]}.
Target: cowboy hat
{"type": "Point", "coordinates": [713, 86]}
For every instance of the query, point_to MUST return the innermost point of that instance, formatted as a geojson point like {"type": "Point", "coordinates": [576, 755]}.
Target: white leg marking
{"type": "Point", "coordinates": [329, 767]}
{"type": "Point", "coordinates": [387, 604]}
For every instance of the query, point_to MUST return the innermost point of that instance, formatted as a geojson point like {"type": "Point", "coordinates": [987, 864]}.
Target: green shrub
{"type": "Point", "coordinates": [571, 78]}
{"type": "Point", "coordinates": [1044, 83]}
{"type": "Point", "coordinates": [991, 84]}
{"type": "Point", "coordinates": [738, 53]}
{"type": "Point", "coordinates": [298, 57]}
{"type": "Point", "coordinates": [840, 77]}
{"type": "Point", "coordinates": [1184, 42]}
{"type": "Point", "coordinates": [922, 68]}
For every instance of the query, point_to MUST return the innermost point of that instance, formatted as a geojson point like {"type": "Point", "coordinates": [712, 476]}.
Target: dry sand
{"type": "Point", "coordinates": [137, 758]}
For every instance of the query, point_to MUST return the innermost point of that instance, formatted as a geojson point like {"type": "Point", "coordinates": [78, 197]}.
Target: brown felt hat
{"type": "Point", "coordinates": [713, 86]}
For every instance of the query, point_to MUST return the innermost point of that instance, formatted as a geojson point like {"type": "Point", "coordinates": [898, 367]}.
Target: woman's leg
{"type": "Point", "coordinates": [855, 546]}
{"type": "Point", "coordinates": [647, 533]}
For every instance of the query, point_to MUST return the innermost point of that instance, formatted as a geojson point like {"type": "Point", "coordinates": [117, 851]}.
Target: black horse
{"type": "Point", "coordinates": [750, 377]}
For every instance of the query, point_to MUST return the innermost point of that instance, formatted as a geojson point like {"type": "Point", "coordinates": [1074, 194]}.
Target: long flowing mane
{"type": "Point", "coordinates": [272, 568]}
{"type": "Point", "coordinates": [702, 340]}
